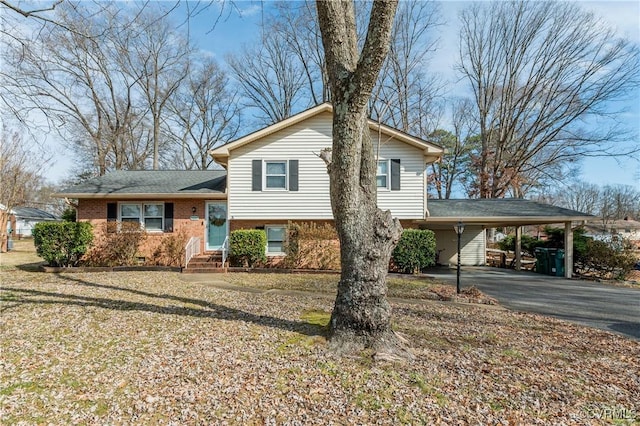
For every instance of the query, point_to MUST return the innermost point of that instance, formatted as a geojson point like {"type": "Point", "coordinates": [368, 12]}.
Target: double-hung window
{"type": "Point", "coordinates": [150, 216]}
{"type": "Point", "coordinates": [275, 175]}
{"type": "Point", "coordinates": [130, 213]}
{"type": "Point", "coordinates": [382, 175]}
{"type": "Point", "coordinates": [276, 236]}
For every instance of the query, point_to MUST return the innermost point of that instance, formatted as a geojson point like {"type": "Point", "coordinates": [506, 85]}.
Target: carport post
{"type": "Point", "coordinates": [518, 248]}
{"type": "Point", "coordinates": [568, 250]}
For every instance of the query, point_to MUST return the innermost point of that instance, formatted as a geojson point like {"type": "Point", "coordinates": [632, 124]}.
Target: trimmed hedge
{"type": "Point", "coordinates": [247, 247]}
{"type": "Point", "coordinates": [415, 251]}
{"type": "Point", "coordinates": [62, 243]}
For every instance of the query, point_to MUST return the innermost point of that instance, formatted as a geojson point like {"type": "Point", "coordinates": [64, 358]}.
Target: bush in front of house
{"type": "Point", "coordinates": [312, 246]}
{"type": "Point", "coordinates": [118, 245]}
{"type": "Point", "coordinates": [62, 243]}
{"type": "Point", "coordinates": [171, 250]}
{"type": "Point", "coordinates": [247, 247]}
{"type": "Point", "coordinates": [415, 251]}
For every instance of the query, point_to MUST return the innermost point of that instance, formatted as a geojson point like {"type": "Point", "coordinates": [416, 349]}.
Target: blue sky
{"type": "Point", "coordinates": [240, 26]}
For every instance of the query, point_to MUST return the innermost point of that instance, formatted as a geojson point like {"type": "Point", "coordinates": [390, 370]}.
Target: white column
{"type": "Point", "coordinates": [568, 250]}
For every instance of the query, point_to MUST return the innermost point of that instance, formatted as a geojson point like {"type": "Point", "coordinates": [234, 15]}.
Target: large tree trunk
{"type": "Point", "coordinates": [361, 316]}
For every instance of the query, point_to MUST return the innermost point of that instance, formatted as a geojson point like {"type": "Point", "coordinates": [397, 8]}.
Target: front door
{"type": "Point", "coordinates": [216, 224]}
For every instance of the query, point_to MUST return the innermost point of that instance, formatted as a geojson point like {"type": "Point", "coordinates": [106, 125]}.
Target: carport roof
{"type": "Point", "coordinates": [502, 211]}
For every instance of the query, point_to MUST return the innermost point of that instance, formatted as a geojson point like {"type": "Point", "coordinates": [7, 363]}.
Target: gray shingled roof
{"type": "Point", "coordinates": [151, 182]}
{"type": "Point", "coordinates": [33, 214]}
{"type": "Point", "coordinates": [511, 210]}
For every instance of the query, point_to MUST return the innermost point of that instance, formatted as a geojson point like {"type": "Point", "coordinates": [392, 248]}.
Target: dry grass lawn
{"type": "Point", "coordinates": [152, 348]}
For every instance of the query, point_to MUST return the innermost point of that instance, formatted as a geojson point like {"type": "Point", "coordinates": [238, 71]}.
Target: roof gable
{"type": "Point", "coordinates": [221, 153]}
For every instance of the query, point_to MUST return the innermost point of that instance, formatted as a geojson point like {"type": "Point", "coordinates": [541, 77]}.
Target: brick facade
{"type": "Point", "coordinates": [95, 212]}
{"type": "Point", "coordinates": [235, 224]}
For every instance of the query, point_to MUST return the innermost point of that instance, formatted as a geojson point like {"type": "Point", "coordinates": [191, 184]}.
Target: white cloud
{"type": "Point", "coordinates": [623, 16]}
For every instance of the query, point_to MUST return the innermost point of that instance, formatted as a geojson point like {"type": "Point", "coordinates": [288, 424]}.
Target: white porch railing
{"type": "Point", "coordinates": [225, 251]}
{"type": "Point", "coordinates": [191, 249]}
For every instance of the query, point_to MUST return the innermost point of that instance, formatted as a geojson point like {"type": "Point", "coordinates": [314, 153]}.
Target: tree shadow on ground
{"type": "Point", "coordinates": [16, 296]}
{"type": "Point", "coordinates": [31, 267]}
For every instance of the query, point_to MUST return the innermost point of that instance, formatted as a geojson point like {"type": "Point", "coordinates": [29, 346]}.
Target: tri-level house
{"type": "Point", "coordinates": [275, 175]}
{"type": "Point", "coordinates": [269, 177]}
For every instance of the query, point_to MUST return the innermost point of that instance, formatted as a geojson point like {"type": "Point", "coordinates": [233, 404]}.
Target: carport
{"type": "Point", "coordinates": [481, 214]}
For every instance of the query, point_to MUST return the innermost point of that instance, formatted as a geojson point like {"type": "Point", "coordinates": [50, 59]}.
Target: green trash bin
{"type": "Point", "coordinates": [551, 254]}
{"type": "Point", "coordinates": [560, 263]}
{"type": "Point", "coordinates": [542, 260]}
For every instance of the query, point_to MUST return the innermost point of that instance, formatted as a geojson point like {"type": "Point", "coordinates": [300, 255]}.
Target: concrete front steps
{"type": "Point", "coordinates": [207, 263]}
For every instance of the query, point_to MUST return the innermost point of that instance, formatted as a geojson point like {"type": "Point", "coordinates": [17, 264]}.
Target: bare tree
{"type": "Point", "coordinates": [157, 58]}
{"type": "Point", "coordinates": [298, 24]}
{"type": "Point", "coordinates": [539, 72]}
{"type": "Point", "coordinates": [269, 79]}
{"type": "Point", "coordinates": [361, 314]}
{"type": "Point", "coordinates": [580, 196]}
{"type": "Point", "coordinates": [106, 93]}
{"type": "Point", "coordinates": [19, 174]}
{"type": "Point", "coordinates": [205, 114]}
{"type": "Point", "coordinates": [618, 202]}
{"type": "Point", "coordinates": [73, 81]}
{"type": "Point", "coordinates": [405, 94]}
{"type": "Point", "coordinates": [41, 12]}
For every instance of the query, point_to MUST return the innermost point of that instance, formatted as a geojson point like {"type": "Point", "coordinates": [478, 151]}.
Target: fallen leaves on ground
{"type": "Point", "coordinates": [149, 348]}
{"type": "Point", "coordinates": [399, 286]}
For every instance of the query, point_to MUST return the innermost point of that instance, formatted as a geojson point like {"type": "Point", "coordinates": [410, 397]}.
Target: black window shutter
{"type": "Point", "coordinates": [395, 174]}
{"type": "Point", "coordinates": [168, 217]}
{"type": "Point", "coordinates": [256, 175]}
{"type": "Point", "coordinates": [293, 175]}
{"type": "Point", "coordinates": [112, 212]}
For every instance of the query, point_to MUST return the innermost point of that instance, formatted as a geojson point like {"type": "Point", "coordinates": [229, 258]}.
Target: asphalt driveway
{"type": "Point", "coordinates": [593, 304]}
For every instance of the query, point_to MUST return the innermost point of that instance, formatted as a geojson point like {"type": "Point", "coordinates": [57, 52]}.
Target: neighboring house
{"type": "Point", "coordinates": [27, 217]}
{"type": "Point", "coordinates": [272, 176]}
{"type": "Point", "coordinates": [626, 228]}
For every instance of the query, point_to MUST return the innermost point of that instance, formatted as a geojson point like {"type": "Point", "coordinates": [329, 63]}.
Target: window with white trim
{"type": "Point", "coordinates": [276, 236]}
{"type": "Point", "coordinates": [382, 175]}
{"type": "Point", "coordinates": [150, 216]}
{"type": "Point", "coordinates": [275, 175]}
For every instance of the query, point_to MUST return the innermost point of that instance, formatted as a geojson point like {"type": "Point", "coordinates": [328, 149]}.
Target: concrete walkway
{"type": "Point", "coordinates": [598, 305]}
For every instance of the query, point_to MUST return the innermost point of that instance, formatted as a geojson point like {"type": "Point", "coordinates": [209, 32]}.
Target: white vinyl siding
{"type": "Point", "coordinates": [472, 246]}
{"type": "Point", "coordinates": [303, 142]}
{"type": "Point", "coordinates": [408, 202]}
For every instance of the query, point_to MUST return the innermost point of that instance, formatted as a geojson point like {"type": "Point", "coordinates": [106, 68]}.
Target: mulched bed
{"type": "Point", "coordinates": [149, 348]}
